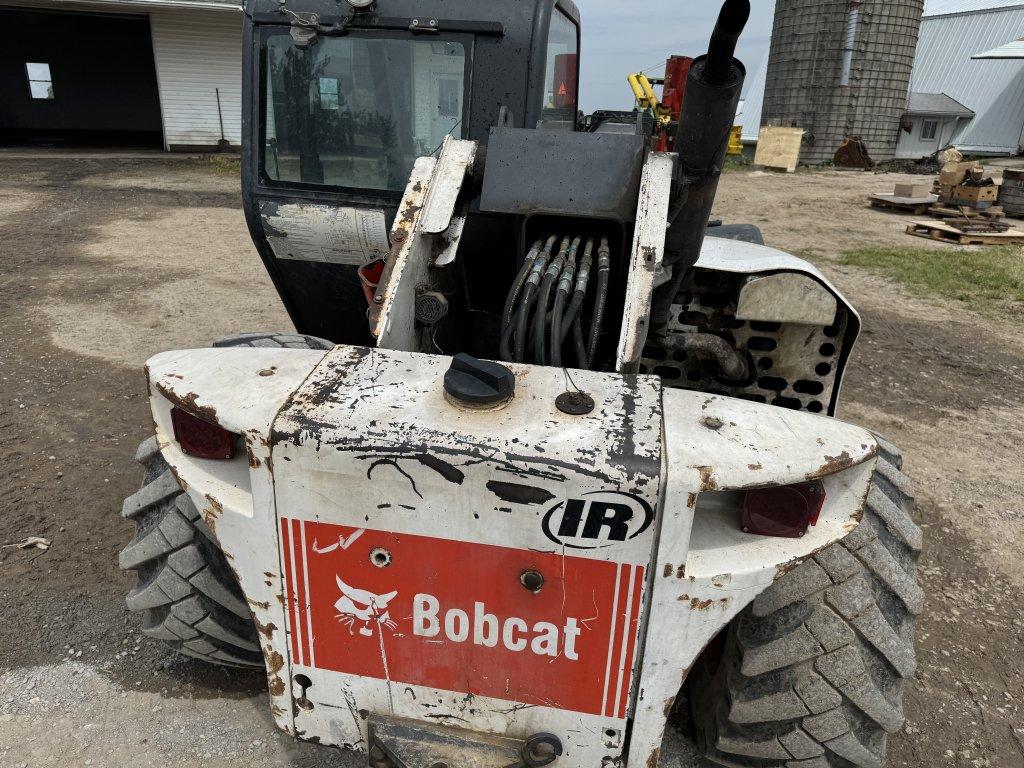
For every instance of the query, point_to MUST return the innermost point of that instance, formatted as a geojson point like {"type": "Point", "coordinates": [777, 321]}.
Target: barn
{"type": "Point", "coordinates": [962, 55]}
{"type": "Point", "coordinates": [142, 73]}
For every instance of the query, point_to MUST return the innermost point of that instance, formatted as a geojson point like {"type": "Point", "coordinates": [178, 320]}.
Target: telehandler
{"type": "Point", "coordinates": [549, 457]}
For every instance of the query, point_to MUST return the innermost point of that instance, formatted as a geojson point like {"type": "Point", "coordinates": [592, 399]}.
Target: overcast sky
{"type": "Point", "coordinates": [624, 36]}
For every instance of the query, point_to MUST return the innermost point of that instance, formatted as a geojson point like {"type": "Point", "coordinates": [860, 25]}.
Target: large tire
{"type": "Point", "coordinates": [280, 340]}
{"type": "Point", "coordinates": [186, 593]}
{"type": "Point", "coordinates": [812, 673]}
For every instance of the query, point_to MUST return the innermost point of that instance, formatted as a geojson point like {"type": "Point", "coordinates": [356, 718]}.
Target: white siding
{"type": "Point", "coordinates": [197, 52]}
{"type": "Point", "coordinates": [993, 89]}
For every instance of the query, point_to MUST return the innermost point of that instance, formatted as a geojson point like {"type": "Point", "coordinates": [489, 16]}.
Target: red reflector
{"type": "Point", "coordinates": [201, 438]}
{"type": "Point", "coordinates": [786, 511]}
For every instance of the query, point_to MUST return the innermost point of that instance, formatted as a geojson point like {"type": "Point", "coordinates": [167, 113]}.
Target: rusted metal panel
{"type": "Point", "coordinates": [497, 571]}
{"type": "Point", "coordinates": [645, 271]}
{"type": "Point", "coordinates": [372, 461]}
{"type": "Point", "coordinates": [242, 390]}
{"type": "Point", "coordinates": [454, 162]}
{"type": "Point", "coordinates": [707, 568]}
{"type": "Point", "coordinates": [393, 313]}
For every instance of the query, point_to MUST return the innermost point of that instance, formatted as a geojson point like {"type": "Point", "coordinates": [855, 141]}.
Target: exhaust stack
{"type": "Point", "coordinates": [702, 138]}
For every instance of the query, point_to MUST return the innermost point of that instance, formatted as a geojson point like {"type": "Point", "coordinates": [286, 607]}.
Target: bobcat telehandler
{"type": "Point", "coordinates": [544, 468]}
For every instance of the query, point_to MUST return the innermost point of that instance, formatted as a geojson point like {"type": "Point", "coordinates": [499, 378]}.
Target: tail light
{"type": "Point", "coordinates": [201, 438]}
{"type": "Point", "coordinates": [786, 511]}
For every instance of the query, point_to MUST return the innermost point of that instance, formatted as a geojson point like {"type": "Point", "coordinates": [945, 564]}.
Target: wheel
{"type": "Point", "coordinates": [747, 233]}
{"type": "Point", "coordinates": [811, 674]}
{"type": "Point", "coordinates": [284, 340]}
{"type": "Point", "coordinates": [186, 593]}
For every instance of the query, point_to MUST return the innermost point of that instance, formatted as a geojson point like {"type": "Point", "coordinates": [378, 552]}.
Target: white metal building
{"type": "Point", "coordinates": [952, 34]}
{"type": "Point", "coordinates": [147, 72]}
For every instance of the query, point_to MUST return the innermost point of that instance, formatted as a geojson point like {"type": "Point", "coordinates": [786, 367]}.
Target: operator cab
{"type": "Point", "coordinates": [340, 100]}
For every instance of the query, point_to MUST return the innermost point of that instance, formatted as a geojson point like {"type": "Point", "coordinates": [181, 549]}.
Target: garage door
{"type": "Point", "coordinates": [77, 78]}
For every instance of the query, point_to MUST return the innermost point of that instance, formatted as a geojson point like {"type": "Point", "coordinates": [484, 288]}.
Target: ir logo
{"type": "Point", "coordinates": [598, 519]}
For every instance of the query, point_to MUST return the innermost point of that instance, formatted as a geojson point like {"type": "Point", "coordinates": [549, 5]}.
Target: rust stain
{"type": "Point", "coordinates": [755, 467]}
{"type": "Point", "coordinates": [215, 506]}
{"type": "Point", "coordinates": [267, 630]}
{"type": "Point", "coordinates": [275, 662]}
{"type": "Point", "coordinates": [681, 571]}
{"type": "Point", "coordinates": [666, 707]}
{"type": "Point", "coordinates": [707, 478]}
{"type": "Point", "coordinates": [268, 371]}
{"type": "Point", "coordinates": [652, 759]}
{"type": "Point", "coordinates": [275, 685]}
{"type": "Point", "coordinates": [254, 461]}
{"type": "Point", "coordinates": [691, 500]}
{"type": "Point", "coordinates": [258, 604]}
{"type": "Point", "coordinates": [832, 465]}
{"type": "Point", "coordinates": [712, 422]}
{"type": "Point", "coordinates": [668, 570]}
{"type": "Point", "coordinates": [188, 403]}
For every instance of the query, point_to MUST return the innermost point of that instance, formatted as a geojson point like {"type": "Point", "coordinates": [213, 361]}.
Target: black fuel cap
{"type": "Point", "coordinates": [478, 382]}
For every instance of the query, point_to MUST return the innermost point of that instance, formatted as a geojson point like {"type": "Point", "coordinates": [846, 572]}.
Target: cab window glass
{"type": "Point", "coordinates": [356, 112]}
{"type": "Point", "coordinates": [560, 76]}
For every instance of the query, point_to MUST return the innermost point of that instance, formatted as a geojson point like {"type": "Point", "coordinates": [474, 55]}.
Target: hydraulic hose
{"type": "Point", "coordinates": [565, 284]}
{"type": "Point", "coordinates": [556, 327]}
{"type": "Point", "coordinates": [604, 265]}
{"type": "Point", "coordinates": [580, 292]}
{"type": "Point", "coordinates": [577, 341]}
{"type": "Point", "coordinates": [731, 361]}
{"type": "Point", "coordinates": [507, 326]}
{"type": "Point", "coordinates": [540, 317]}
{"type": "Point", "coordinates": [529, 294]}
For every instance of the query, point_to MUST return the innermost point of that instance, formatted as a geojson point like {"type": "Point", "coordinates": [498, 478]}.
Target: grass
{"type": "Point", "coordinates": [989, 281]}
{"type": "Point", "coordinates": [227, 163]}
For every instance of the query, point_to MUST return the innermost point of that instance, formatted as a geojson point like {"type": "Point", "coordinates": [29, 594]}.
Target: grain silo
{"type": "Point", "coordinates": [841, 68]}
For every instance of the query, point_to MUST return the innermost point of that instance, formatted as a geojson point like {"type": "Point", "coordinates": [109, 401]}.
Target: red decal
{"type": "Point", "coordinates": [455, 616]}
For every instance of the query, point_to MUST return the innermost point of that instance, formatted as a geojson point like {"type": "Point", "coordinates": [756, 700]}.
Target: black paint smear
{"type": "Point", "coordinates": [519, 494]}
{"type": "Point", "coordinates": [449, 472]}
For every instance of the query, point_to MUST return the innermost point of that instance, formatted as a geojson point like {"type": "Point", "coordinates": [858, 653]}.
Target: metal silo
{"type": "Point", "coordinates": [838, 68]}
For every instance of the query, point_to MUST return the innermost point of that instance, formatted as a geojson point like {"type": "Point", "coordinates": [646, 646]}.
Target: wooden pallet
{"type": "Point", "coordinates": [915, 205]}
{"type": "Point", "coordinates": [940, 211]}
{"type": "Point", "coordinates": [947, 234]}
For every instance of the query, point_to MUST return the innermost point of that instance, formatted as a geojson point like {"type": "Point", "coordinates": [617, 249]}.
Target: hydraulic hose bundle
{"type": "Point", "coordinates": [545, 303]}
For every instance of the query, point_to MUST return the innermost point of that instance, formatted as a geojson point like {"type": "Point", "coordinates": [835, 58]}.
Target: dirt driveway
{"type": "Point", "coordinates": [108, 261]}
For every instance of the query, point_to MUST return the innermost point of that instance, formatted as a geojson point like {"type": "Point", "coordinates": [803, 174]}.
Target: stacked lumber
{"type": "Point", "coordinates": [1011, 192]}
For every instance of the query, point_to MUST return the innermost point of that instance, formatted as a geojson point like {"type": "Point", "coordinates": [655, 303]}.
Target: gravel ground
{"type": "Point", "coordinates": [108, 260]}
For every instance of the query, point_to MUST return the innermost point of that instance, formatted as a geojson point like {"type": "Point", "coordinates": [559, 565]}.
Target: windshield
{"type": "Point", "coordinates": [357, 111]}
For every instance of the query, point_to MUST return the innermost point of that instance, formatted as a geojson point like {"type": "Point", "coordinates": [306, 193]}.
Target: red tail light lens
{"type": "Point", "coordinates": [785, 511]}
{"type": "Point", "coordinates": [201, 438]}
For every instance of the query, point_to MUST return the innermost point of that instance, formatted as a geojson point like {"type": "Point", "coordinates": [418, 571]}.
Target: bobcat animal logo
{"type": "Point", "coordinates": [358, 607]}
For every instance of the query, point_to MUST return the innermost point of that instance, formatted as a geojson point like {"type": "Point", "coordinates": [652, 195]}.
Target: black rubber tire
{"type": "Point", "coordinates": [279, 340]}
{"type": "Point", "coordinates": [186, 593]}
{"type": "Point", "coordinates": [811, 674]}
{"type": "Point", "coordinates": [747, 233]}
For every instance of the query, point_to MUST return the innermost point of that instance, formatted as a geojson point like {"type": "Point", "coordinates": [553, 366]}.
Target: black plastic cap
{"type": "Point", "coordinates": [478, 382]}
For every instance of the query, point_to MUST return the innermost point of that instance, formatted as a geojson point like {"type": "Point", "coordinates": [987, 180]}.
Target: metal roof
{"type": "Point", "coordinates": [1012, 50]}
{"type": "Point", "coordinates": [994, 89]}
{"type": "Point", "coordinates": [937, 104]}
{"type": "Point", "coordinates": [934, 8]}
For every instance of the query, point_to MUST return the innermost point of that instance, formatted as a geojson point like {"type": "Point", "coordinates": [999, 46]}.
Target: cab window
{"type": "Point", "coordinates": [356, 111]}
{"type": "Point", "coordinates": [560, 75]}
